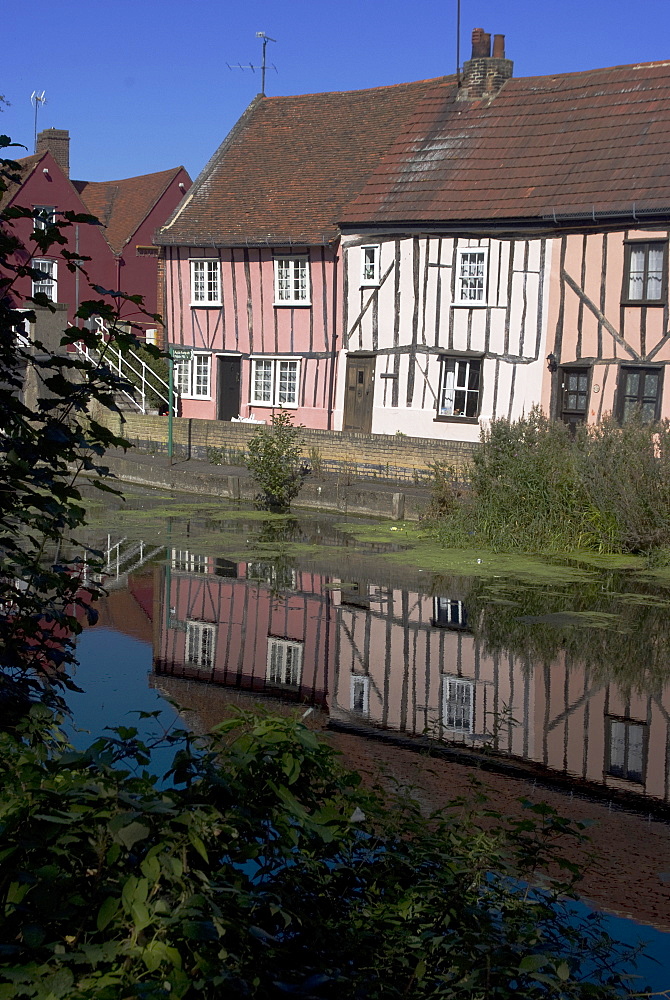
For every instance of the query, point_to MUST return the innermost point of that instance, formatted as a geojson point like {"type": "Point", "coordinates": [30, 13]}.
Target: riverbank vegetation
{"type": "Point", "coordinates": [533, 486]}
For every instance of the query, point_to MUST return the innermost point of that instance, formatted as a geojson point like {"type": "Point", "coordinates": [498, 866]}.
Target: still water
{"type": "Point", "coordinates": [553, 687]}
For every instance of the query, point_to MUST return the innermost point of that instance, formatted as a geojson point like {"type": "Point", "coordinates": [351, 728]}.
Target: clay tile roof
{"type": "Point", "coordinates": [123, 205]}
{"type": "Point", "coordinates": [589, 143]}
{"type": "Point", "coordinates": [290, 165]}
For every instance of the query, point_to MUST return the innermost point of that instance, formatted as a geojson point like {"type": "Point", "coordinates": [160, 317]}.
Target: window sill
{"type": "Point", "coordinates": [206, 305]}
{"type": "Point", "coordinates": [469, 305]}
{"type": "Point", "coordinates": [455, 420]}
{"type": "Point", "coordinates": [644, 302]}
{"type": "Point", "coordinates": [369, 284]}
{"type": "Point", "coordinates": [291, 305]}
{"type": "Point", "coordinates": [273, 406]}
{"type": "Point", "coordinates": [203, 398]}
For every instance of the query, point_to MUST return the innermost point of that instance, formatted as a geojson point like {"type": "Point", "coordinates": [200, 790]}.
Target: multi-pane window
{"type": "Point", "coordinates": [644, 280]}
{"type": "Point", "coordinates": [471, 267]}
{"type": "Point", "coordinates": [284, 665]}
{"type": "Point", "coordinates": [292, 281]}
{"type": "Point", "coordinates": [200, 643]}
{"type": "Point", "coordinates": [460, 387]}
{"type": "Point", "coordinates": [205, 283]}
{"type": "Point", "coordinates": [274, 381]}
{"type": "Point", "coordinates": [360, 694]}
{"type": "Point", "coordinates": [639, 394]}
{"type": "Point", "coordinates": [189, 562]}
{"type": "Point", "coordinates": [458, 704]}
{"type": "Point", "coordinates": [370, 265]}
{"type": "Point", "coordinates": [44, 216]}
{"type": "Point", "coordinates": [46, 283]}
{"type": "Point", "coordinates": [574, 394]}
{"type": "Point", "coordinates": [449, 613]}
{"type": "Point", "coordinates": [192, 378]}
{"type": "Point", "coordinates": [626, 749]}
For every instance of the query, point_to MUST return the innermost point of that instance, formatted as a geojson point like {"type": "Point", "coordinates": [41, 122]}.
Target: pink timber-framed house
{"type": "Point", "coordinates": [253, 277]}
{"type": "Point", "coordinates": [511, 249]}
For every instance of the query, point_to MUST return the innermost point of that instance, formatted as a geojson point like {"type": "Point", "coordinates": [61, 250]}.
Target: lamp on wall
{"type": "Point", "coordinates": [552, 364]}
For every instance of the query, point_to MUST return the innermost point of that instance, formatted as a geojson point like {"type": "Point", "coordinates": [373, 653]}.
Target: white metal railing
{"type": "Point", "coordinates": [127, 365]}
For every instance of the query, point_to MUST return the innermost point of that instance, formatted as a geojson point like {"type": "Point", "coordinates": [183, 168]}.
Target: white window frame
{"type": "Point", "coordinates": [360, 686]}
{"type": "Point", "coordinates": [449, 612]}
{"type": "Point", "coordinates": [273, 388]}
{"type": "Point", "coordinates": [205, 286]}
{"type": "Point", "coordinates": [49, 215]}
{"type": "Point", "coordinates": [458, 704]}
{"type": "Point", "coordinates": [193, 379]}
{"type": "Point", "coordinates": [49, 285]}
{"type": "Point", "coordinates": [185, 561]}
{"type": "Point", "coordinates": [455, 379]}
{"type": "Point", "coordinates": [471, 285]}
{"type": "Point", "coordinates": [284, 662]}
{"type": "Point", "coordinates": [200, 649]}
{"type": "Point", "coordinates": [370, 257]}
{"type": "Point", "coordinates": [292, 280]}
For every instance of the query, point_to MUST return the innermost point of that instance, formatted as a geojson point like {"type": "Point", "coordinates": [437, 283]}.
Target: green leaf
{"type": "Point", "coordinates": [140, 915]}
{"type": "Point", "coordinates": [563, 971]}
{"type": "Point", "coordinates": [199, 846]}
{"type": "Point", "coordinates": [532, 962]}
{"type": "Point", "coordinates": [107, 912]}
{"type": "Point", "coordinates": [131, 834]}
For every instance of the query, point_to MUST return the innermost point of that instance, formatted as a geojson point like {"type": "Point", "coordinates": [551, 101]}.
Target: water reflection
{"type": "Point", "coordinates": [432, 665]}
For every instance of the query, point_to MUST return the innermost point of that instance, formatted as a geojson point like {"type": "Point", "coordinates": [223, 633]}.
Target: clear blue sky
{"type": "Point", "coordinates": [143, 85]}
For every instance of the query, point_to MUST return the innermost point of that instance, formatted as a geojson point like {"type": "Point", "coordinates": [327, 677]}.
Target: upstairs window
{"type": "Point", "coordinates": [471, 277]}
{"type": "Point", "coordinates": [284, 664]}
{"type": "Point", "coordinates": [292, 281]}
{"type": "Point", "coordinates": [200, 644]}
{"type": "Point", "coordinates": [205, 283]}
{"type": "Point", "coordinates": [47, 283]}
{"type": "Point", "coordinates": [274, 381]}
{"type": "Point", "coordinates": [644, 279]}
{"type": "Point", "coordinates": [192, 378]}
{"type": "Point", "coordinates": [460, 388]}
{"type": "Point", "coordinates": [639, 394]}
{"type": "Point", "coordinates": [370, 264]}
{"type": "Point", "coordinates": [45, 215]}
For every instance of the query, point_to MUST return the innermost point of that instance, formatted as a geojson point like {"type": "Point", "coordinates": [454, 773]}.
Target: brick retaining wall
{"type": "Point", "coordinates": [381, 456]}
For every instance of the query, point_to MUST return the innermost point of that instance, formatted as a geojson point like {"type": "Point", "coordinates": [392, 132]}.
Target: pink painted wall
{"type": "Point", "coordinates": [247, 324]}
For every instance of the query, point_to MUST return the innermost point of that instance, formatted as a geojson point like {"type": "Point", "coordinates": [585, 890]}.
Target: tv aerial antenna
{"type": "Point", "coordinates": [37, 100]}
{"type": "Point", "coordinates": [263, 66]}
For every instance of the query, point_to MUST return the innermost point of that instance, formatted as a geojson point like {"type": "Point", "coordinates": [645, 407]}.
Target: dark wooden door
{"type": "Point", "coordinates": [359, 394]}
{"type": "Point", "coordinates": [574, 395]}
{"type": "Point", "coordinates": [228, 388]}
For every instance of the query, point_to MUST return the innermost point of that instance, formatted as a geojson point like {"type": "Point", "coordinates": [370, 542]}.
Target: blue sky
{"type": "Point", "coordinates": [143, 85]}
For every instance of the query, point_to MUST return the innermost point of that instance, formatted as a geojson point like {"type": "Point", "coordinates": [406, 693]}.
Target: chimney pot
{"type": "Point", "coordinates": [481, 44]}
{"type": "Point", "coordinates": [498, 46]}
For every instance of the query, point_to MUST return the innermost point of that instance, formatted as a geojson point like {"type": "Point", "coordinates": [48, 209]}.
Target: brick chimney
{"type": "Point", "coordinates": [57, 142]}
{"type": "Point", "coordinates": [484, 74]}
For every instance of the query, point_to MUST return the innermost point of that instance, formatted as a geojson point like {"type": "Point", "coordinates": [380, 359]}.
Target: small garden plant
{"type": "Point", "coordinates": [274, 460]}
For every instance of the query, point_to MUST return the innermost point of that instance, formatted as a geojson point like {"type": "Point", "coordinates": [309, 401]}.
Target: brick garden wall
{"type": "Point", "coordinates": [367, 455]}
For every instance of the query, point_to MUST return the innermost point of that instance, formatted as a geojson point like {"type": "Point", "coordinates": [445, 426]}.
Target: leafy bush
{"type": "Point", "coordinates": [274, 461]}
{"type": "Point", "coordinates": [535, 486]}
{"type": "Point", "coordinates": [264, 870]}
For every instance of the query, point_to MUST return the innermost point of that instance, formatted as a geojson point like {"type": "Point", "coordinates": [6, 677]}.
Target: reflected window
{"type": "Point", "coordinates": [360, 694]}
{"type": "Point", "coordinates": [189, 562]}
{"type": "Point", "coordinates": [458, 705]}
{"type": "Point", "coordinates": [200, 643]}
{"type": "Point", "coordinates": [448, 613]}
{"type": "Point", "coordinates": [355, 593]}
{"type": "Point", "coordinates": [626, 741]}
{"type": "Point", "coordinates": [284, 666]}
{"type": "Point", "coordinates": [277, 577]}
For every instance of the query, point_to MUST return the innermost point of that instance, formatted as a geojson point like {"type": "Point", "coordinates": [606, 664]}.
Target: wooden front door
{"type": "Point", "coordinates": [228, 388]}
{"type": "Point", "coordinates": [359, 394]}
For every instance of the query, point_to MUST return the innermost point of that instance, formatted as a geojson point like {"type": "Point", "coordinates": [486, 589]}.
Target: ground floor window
{"type": "Point", "coordinates": [458, 704]}
{"type": "Point", "coordinates": [200, 643]}
{"type": "Point", "coordinates": [274, 381]}
{"type": "Point", "coordinates": [639, 393]}
{"type": "Point", "coordinates": [449, 613]}
{"type": "Point", "coordinates": [284, 665]}
{"type": "Point", "coordinates": [192, 379]}
{"type": "Point", "coordinates": [460, 388]}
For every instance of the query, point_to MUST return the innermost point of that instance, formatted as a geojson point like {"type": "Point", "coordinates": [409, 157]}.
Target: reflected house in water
{"type": "Point", "coordinates": [398, 660]}
{"type": "Point", "coordinates": [248, 625]}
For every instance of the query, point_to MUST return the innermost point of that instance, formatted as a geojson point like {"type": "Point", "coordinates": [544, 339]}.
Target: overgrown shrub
{"type": "Point", "coordinates": [535, 486]}
{"type": "Point", "coordinates": [274, 461]}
